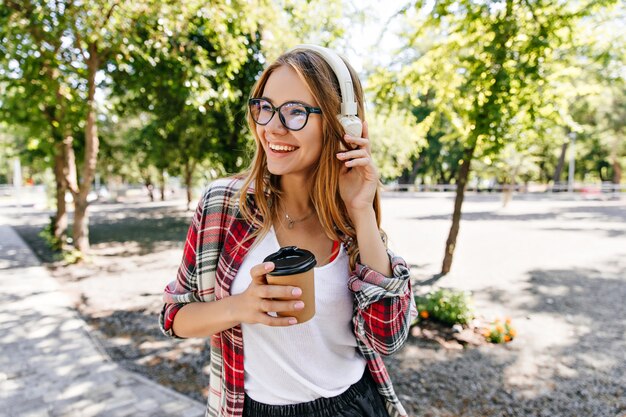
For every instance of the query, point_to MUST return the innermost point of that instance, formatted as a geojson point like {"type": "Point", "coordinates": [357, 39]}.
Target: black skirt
{"type": "Point", "coordinates": [360, 400]}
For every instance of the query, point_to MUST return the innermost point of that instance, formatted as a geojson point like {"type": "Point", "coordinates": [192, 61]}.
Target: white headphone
{"type": "Point", "coordinates": [348, 116]}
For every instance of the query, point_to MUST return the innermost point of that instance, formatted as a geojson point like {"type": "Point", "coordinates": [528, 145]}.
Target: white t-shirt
{"type": "Point", "coordinates": [300, 363]}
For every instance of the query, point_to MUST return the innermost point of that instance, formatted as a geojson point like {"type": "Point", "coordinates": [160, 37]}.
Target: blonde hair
{"type": "Point", "coordinates": [330, 208]}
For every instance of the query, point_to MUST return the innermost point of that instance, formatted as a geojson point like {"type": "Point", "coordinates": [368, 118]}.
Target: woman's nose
{"type": "Point", "coordinates": [275, 125]}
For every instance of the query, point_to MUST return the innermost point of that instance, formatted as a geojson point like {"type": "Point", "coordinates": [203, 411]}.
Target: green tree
{"type": "Point", "coordinates": [188, 73]}
{"type": "Point", "coordinates": [397, 140]}
{"type": "Point", "coordinates": [36, 89]}
{"type": "Point", "coordinates": [483, 66]}
{"type": "Point", "coordinates": [67, 45]}
{"type": "Point", "coordinates": [193, 79]}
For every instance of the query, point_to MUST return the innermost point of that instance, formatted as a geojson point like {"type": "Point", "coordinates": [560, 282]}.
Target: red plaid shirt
{"type": "Point", "coordinates": [211, 258]}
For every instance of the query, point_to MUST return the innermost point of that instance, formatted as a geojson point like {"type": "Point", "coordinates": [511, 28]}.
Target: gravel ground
{"type": "Point", "coordinates": [556, 266]}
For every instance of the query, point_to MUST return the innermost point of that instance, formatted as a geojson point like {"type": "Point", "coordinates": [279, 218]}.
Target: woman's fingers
{"type": "Point", "coordinates": [275, 306]}
{"type": "Point", "coordinates": [276, 321]}
{"type": "Point", "coordinates": [357, 153]}
{"type": "Point", "coordinates": [280, 291]}
{"type": "Point", "coordinates": [258, 272]}
{"type": "Point", "coordinates": [360, 162]}
{"type": "Point", "coordinates": [357, 141]}
{"type": "Point", "coordinates": [264, 298]}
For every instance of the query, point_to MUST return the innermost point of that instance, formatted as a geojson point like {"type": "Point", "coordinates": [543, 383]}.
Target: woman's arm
{"type": "Point", "coordinates": [372, 250]}
{"type": "Point", "coordinates": [205, 319]}
{"type": "Point", "coordinates": [382, 288]}
{"type": "Point", "coordinates": [380, 282]}
{"type": "Point", "coordinates": [185, 315]}
{"type": "Point", "coordinates": [385, 307]}
{"type": "Point", "coordinates": [251, 306]}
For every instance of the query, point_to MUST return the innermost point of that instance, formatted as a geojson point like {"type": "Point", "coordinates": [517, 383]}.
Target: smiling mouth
{"type": "Point", "coordinates": [281, 148]}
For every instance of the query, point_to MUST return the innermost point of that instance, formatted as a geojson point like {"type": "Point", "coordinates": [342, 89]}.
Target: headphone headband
{"type": "Point", "coordinates": [348, 101]}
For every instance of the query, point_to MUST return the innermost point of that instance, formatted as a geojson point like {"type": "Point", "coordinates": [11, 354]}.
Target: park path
{"type": "Point", "coordinates": [50, 365]}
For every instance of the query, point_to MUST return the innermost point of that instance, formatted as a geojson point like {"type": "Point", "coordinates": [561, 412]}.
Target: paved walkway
{"type": "Point", "coordinates": [50, 365]}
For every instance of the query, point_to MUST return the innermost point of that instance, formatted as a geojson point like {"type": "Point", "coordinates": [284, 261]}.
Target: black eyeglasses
{"type": "Point", "coordinates": [292, 115]}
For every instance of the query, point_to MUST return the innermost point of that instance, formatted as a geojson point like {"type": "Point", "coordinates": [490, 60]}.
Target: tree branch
{"type": "Point", "coordinates": [107, 16]}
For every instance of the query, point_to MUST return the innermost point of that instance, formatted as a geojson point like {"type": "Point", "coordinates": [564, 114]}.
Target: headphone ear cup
{"type": "Point", "coordinates": [352, 125]}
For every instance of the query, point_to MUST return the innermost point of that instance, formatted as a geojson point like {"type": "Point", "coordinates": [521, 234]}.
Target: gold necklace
{"type": "Point", "coordinates": [291, 221]}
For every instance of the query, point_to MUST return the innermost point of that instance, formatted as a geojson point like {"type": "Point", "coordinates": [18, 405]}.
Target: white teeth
{"type": "Point", "coordinates": [281, 147]}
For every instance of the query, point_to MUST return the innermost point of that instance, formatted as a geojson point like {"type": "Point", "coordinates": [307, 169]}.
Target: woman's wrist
{"type": "Point", "coordinates": [362, 217]}
{"type": "Point", "coordinates": [234, 309]}
{"type": "Point", "coordinates": [372, 250]}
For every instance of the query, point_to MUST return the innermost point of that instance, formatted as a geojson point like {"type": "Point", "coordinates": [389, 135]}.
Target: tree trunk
{"type": "Point", "coordinates": [150, 187]}
{"type": "Point", "coordinates": [617, 167]}
{"type": "Point", "coordinates": [408, 177]}
{"type": "Point", "coordinates": [617, 172]}
{"type": "Point", "coordinates": [59, 223]}
{"type": "Point", "coordinates": [559, 168]}
{"type": "Point", "coordinates": [81, 224]}
{"type": "Point", "coordinates": [461, 182]}
{"type": "Point", "coordinates": [65, 166]}
{"type": "Point", "coordinates": [188, 174]}
{"type": "Point", "coordinates": [162, 183]}
{"type": "Point", "coordinates": [81, 218]}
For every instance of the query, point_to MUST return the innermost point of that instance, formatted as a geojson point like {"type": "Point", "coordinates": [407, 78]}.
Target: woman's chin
{"type": "Point", "coordinates": [277, 170]}
{"type": "Point", "coordinates": [284, 170]}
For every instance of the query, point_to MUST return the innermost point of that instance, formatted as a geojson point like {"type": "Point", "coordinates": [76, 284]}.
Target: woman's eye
{"type": "Point", "coordinates": [266, 107]}
{"type": "Point", "coordinates": [297, 111]}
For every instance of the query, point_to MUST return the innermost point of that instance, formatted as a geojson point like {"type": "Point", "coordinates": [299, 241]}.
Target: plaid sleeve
{"type": "Point", "coordinates": [184, 289]}
{"type": "Point", "coordinates": [385, 307]}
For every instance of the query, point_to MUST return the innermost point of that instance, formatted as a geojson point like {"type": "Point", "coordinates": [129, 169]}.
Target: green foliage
{"type": "Point", "coordinates": [396, 139]}
{"type": "Point", "coordinates": [510, 79]}
{"type": "Point", "coordinates": [507, 76]}
{"type": "Point", "coordinates": [447, 306]}
{"type": "Point", "coordinates": [290, 22]}
{"type": "Point", "coordinates": [187, 73]}
{"type": "Point", "coordinates": [47, 234]}
{"type": "Point", "coordinates": [72, 256]}
{"type": "Point", "coordinates": [63, 251]}
{"type": "Point", "coordinates": [39, 91]}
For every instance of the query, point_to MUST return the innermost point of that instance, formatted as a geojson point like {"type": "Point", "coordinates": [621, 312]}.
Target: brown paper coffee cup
{"type": "Point", "coordinates": [294, 266]}
{"type": "Point", "coordinates": [303, 281]}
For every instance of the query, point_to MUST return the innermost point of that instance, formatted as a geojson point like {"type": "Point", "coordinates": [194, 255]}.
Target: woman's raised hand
{"type": "Point", "coordinates": [260, 298]}
{"type": "Point", "coordinates": [358, 177]}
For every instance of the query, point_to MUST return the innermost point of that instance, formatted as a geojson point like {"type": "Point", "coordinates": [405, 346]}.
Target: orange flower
{"type": "Point", "coordinates": [424, 314]}
{"type": "Point", "coordinates": [508, 320]}
{"type": "Point", "coordinates": [486, 332]}
{"type": "Point", "coordinates": [499, 328]}
{"type": "Point", "coordinates": [507, 338]}
{"type": "Point", "coordinates": [512, 332]}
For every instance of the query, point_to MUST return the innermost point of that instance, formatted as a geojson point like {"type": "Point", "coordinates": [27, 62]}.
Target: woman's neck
{"type": "Point", "coordinates": [296, 200]}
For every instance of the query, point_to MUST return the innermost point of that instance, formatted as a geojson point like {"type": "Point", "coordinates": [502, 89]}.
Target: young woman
{"type": "Point", "coordinates": [313, 186]}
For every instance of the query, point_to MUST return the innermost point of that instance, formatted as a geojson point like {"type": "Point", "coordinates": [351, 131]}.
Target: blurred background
{"type": "Point", "coordinates": [498, 126]}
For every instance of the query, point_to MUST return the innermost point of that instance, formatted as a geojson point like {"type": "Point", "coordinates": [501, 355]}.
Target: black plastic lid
{"type": "Point", "coordinates": [290, 260]}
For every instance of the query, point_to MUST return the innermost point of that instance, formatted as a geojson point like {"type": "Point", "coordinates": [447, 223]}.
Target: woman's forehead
{"type": "Point", "coordinates": [284, 84]}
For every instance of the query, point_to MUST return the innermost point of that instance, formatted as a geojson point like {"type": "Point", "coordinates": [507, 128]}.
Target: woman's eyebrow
{"type": "Point", "coordinates": [287, 101]}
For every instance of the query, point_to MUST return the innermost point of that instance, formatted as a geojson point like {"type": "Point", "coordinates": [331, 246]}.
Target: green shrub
{"type": "Point", "coordinates": [47, 234]}
{"type": "Point", "coordinates": [447, 306]}
{"type": "Point", "coordinates": [63, 250]}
